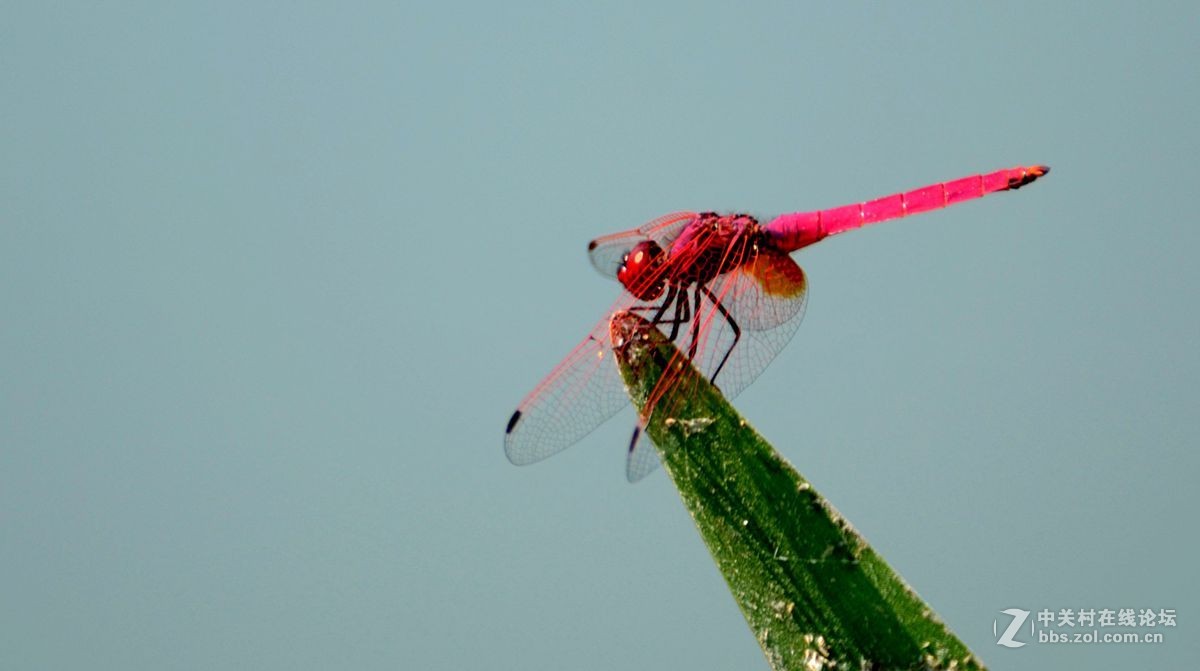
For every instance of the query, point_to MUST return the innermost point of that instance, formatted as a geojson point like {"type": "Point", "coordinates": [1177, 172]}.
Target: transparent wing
{"type": "Point", "coordinates": [742, 319]}
{"type": "Point", "coordinates": [765, 296]}
{"type": "Point", "coordinates": [642, 458]}
{"type": "Point", "coordinates": [576, 397]}
{"type": "Point", "coordinates": [585, 389]}
{"type": "Point", "coordinates": [606, 252]}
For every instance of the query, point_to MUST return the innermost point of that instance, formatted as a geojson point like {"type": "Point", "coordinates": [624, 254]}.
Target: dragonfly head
{"type": "Point", "coordinates": [641, 270]}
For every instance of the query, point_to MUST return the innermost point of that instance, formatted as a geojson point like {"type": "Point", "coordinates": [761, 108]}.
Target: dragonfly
{"type": "Point", "coordinates": [723, 288]}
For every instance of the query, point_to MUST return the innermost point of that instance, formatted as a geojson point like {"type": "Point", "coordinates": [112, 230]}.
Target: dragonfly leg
{"type": "Point", "coordinates": [695, 327]}
{"type": "Point", "coordinates": [682, 315]}
{"type": "Point", "coordinates": [737, 331]}
{"type": "Point", "coordinates": [659, 310]}
{"type": "Point", "coordinates": [682, 312]}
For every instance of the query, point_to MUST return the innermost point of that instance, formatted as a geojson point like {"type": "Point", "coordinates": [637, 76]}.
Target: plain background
{"type": "Point", "coordinates": [273, 278]}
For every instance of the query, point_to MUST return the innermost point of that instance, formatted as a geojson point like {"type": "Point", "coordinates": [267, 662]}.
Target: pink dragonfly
{"type": "Point", "coordinates": [723, 288]}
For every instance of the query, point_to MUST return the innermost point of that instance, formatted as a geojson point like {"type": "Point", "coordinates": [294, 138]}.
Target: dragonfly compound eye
{"type": "Point", "coordinates": [642, 271]}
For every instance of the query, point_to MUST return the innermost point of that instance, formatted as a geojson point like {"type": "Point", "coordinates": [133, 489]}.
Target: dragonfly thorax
{"type": "Point", "coordinates": [713, 245]}
{"type": "Point", "coordinates": [710, 245]}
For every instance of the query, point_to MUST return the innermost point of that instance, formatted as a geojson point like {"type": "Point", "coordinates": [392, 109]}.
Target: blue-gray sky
{"type": "Point", "coordinates": [273, 278]}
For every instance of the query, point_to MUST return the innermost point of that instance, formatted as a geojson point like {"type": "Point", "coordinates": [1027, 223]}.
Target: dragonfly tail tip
{"type": "Point", "coordinates": [1025, 175]}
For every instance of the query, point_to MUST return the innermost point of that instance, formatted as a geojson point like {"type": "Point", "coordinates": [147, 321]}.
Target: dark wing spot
{"type": "Point", "coordinates": [512, 421]}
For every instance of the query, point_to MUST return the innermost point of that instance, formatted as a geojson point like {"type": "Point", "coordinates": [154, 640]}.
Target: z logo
{"type": "Point", "coordinates": [1018, 618]}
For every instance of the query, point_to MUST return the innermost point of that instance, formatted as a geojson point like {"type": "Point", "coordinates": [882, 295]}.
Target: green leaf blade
{"type": "Point", "coordinates": [813, 591]}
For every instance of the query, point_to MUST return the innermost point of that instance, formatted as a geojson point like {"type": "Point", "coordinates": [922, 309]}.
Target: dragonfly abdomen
{"type": "Point", "coordinates": [790, 232]}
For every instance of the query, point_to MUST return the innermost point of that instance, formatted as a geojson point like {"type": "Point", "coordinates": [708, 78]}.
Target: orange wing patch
{"type": "Point", "coordinates": [777, 274]}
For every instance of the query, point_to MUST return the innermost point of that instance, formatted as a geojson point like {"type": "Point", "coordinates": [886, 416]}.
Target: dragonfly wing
{"type": "Point", "coordinates": [576, 397]}
{"type": "Point", "coordinates": [766, 297]}
{"type": "Point", "coordinates": [642, 457]}
{"type": "Point", "coordinates": [606, 253]}
{"type": "Point", "coordinates": [771, 291]}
